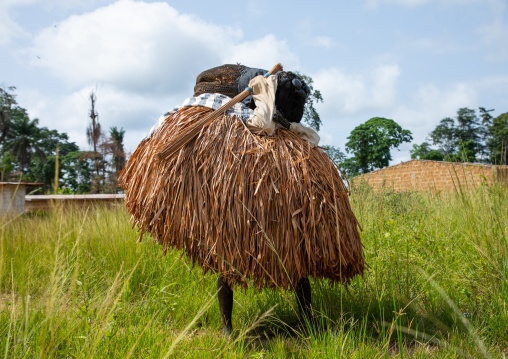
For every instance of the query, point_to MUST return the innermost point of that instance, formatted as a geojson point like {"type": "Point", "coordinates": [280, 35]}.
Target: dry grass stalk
{"type": "Point", "coordinates": [264, 210]}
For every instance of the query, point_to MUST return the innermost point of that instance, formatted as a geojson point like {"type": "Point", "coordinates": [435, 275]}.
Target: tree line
{"type": "Point", "coordinates": [31, 153]}
{"type": "Point", "coordinates": [469, 137]}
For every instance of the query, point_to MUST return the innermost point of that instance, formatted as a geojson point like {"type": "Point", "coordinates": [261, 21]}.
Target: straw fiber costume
{"type": "Point", "coordinates": [251, 196]}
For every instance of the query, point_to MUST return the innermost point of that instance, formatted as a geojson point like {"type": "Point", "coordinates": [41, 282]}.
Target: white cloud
{"type": "Point", "coordinates": [146, 47]}
{"type": "Point", "coordinates": [70, 4]}
{"type": "Point", "coordinates": [372, 4]}
{"type": "Point", "coordinates": [143, 57]}
{"type": "Point", "coordinates": [264, 53]}
{"type": "Point", "coordinates": [132, 45]}
{"type": "Point", "coordinates": [69, 113]}
{"type": "Point", "coordinates": [351, 99]}
{"type": "Point", "coordinates": [429, 104]}
{"type": "Point", "coordinates": [65, 113]}
{"type": "Point", "coordinates": [351, 94]}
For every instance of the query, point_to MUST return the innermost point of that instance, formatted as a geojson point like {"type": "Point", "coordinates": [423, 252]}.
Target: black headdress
{"type": "Point", "coordinates": [230, 80]}
{"type": "Point", "coordinates": [290, 97]}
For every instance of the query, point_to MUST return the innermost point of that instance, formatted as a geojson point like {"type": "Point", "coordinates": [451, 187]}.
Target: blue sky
{"type": "Point", "coordinates": [414, 61]}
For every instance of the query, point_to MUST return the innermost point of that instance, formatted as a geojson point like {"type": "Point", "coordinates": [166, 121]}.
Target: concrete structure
{"type": "Point", "coordinates": [422, 175]}
{"type": "Point", "coordinates": [12, 196]}
{"type": "Point", "coordinates": [48, 202]}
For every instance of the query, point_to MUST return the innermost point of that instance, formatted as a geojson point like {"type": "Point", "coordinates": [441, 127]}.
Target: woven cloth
{"type": "Point", "coordinates": [210, 100]}
{"type": "Point", "coordinates": [259, 121]}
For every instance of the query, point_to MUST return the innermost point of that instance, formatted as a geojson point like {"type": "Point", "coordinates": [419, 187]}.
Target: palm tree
{"type": "Point", "coordinates": [7, 101]}
{"type": "Point", "coordinates": [116, 136]}
{"type": "Point", "coordinates": [23, 140]}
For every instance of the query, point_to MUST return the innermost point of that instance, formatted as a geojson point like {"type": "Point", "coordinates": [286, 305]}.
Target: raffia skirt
{"type": "Point", "coordinates": [262, 211]}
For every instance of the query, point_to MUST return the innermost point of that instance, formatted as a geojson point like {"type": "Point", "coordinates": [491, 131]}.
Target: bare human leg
{"type": "Point", "coordinates": [303, 298]}
{"type": "Point", "coordinates": [225, 294]}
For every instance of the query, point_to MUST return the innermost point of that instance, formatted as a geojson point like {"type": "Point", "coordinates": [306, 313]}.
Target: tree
{"type": "Point", "coordinates": [7, 101]}
{"type": "Point", "coordinates": [467, 151]}
{"type": "Point", "coordinates": [351, 167]}
{"type": "Point", "coordinates": [6, 165]}
{"type": "Point", "coordinates": [425, 152]}
{"type": "Point", "coordinates": [43, 169]}
{"type": "Point", "coordinates": [78, 168]}
{"type": "Point", "coordinates": [486, 116]}
{"type": "Point", "coordinates": [23, 140]}
{"type": "Point", "coordinates": [468, 124]}
{"type": "Point", "coordinates": [8, 110]}
{"type": "Point", "coordinates": [310, 115]}
{"type": "Point", "coordinates": [420, 151]}
{"type": "Point", "coordinates": [51, 139]}
{"type": "Point", "coordinates": [116, 138]}
{"type": "Point", "coordinates": [371, 142]}
{"type": "Point", "coordinates": [93, 132]}
{"type": "Point", "coordinates": [445, 136]}
{"type": "Point", "coordinates": [484, 133]}
{"type": "Point", "coordinates": [335, 154]}
{"type": "Point", "coordinates": [32, 149]}
{"type": "Point", "coordinates": [498, 141]}
{"type": "Point", "coordinates": [434, 156]}
{"type": "Point", "coordinates": [462, 139]}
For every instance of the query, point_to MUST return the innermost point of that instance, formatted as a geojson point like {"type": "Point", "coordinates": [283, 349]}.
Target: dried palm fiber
{"type": "Point", "coordinates": [264, 211]}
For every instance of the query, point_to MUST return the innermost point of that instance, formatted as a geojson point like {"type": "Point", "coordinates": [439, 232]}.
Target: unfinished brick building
{"type": "Point", "coordinates": [423, 175]}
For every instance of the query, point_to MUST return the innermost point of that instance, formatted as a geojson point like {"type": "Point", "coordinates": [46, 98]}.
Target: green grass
{"type": "Point", "coordinates": [74, 283]}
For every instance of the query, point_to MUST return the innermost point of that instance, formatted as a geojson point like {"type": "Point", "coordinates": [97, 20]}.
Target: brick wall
{"type": "Point", "coordinates": [422, 175]}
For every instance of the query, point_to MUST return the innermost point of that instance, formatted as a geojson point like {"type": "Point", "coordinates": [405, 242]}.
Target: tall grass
{"type": "Point", "coordinates": [74, 283]}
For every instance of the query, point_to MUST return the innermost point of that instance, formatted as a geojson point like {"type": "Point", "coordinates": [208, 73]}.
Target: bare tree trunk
{"type": "Point", "coordinates": [504, 148]}
{"type": "Point", "coordinates": [93, 134]}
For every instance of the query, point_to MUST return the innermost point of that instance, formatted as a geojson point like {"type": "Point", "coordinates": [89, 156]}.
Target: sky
{"type": "Point", "coordinates": [413, 61]}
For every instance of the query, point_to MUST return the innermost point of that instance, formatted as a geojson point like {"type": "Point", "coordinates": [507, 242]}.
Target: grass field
{"type": "Point", "coordinates": [74, 283]}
